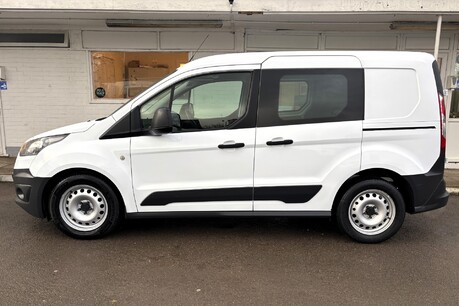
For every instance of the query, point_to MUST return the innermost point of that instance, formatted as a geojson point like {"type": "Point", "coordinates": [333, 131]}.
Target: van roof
{"type": "Point", "coordinates": [257, 58]}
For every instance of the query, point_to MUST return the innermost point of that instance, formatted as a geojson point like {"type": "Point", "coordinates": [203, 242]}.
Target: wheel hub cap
{"type": "Point", "coordinates": [369, 211]}
{"type": "Point", "coordinates": [83, 207]}
{"type": "Point", "coordinates": [372, 212]}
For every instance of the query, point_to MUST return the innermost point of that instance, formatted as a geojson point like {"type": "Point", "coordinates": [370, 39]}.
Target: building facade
{"type": "Point", "coordinates": [69, 61]}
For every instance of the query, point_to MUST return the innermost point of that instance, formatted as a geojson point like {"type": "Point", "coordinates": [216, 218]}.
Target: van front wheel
{"type": "Point", "coordinates": [83, 206]}
{"type": "Point", "coordinates": [371, 211]}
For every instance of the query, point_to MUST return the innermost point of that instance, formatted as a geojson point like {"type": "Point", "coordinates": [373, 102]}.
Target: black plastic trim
{"type": "Point", "coordinates": [121, 128]}
{"type": "Point", "coordinates": [211, 214]}
{"type": "Point", "coordinates": [279, 142]}
{"type": "Point", "coordinates": [286, 194]}
{"type": "Point", "coordinates": [32, 187]}
{"type": "Point", "coordinates": [429, 189]}
{"type": "Point", "coordinates": [231, 145]}
{"type": "Point", "coordinates": [437, 76]}
{"type": "Point", "coordinates": [401, 128]}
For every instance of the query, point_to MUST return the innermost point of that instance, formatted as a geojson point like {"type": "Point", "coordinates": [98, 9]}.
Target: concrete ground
{"type": "Point", "coordinates": [452, 178]}
{"type": "Point", "coordinates": [253, 261]}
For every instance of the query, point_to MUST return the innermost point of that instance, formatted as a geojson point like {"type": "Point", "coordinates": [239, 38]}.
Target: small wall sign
{"type": "Point", "coordinates": [100, 92]}
{"type": "Point", "coordinates": [3, 85]}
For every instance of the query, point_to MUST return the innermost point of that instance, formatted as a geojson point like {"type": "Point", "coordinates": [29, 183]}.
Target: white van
{"type": "Point", "coordinates": [357, 136]}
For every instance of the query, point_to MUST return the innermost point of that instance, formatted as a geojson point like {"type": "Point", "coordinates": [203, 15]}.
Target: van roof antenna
{"type": "Point", "coordinates": [199, 48]}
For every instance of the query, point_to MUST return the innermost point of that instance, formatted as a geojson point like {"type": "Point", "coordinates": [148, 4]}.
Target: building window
{"type": "Point", "coordinates": [454, 110]}
{"type": "Point", "coordinates": [123, 75]}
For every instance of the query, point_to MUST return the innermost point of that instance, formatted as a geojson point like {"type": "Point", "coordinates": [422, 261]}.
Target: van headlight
{"type": "Point", "coordinates": [34, 146]}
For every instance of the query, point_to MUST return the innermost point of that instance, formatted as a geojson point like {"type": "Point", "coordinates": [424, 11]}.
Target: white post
{"type": "Point", "coordinates": [437, 37]}
{"type": "Point", "coordinates": [2, 129]}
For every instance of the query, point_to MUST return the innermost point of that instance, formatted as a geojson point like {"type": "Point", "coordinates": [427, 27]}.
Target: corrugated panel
{"type": "Point", "coordinates": [423, 43]}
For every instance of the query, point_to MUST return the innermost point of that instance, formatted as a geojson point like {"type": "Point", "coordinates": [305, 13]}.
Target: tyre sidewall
{"type": "Point", "coordinates": [342, 212]}
{"type": "Point", "coordinates": [113, 211]}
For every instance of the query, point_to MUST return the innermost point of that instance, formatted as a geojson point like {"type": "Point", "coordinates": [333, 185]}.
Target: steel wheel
{"type": "Point", "coordinates": [83, 207]}
{"type": "Point", "coordinates": [372, 212]}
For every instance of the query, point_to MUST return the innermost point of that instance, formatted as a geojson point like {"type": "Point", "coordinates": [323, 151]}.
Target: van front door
{"type": "Point", "coordinates": [206, 163]}
{"type": "Point", "coordinates": [309, 131]}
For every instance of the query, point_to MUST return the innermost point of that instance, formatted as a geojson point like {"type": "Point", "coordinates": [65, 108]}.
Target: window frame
{"type": "Point", "coordinates": [247, 90]}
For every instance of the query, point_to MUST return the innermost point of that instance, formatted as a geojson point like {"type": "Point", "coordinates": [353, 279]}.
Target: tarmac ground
{"type": "Point", "coordinates": [245, 261]}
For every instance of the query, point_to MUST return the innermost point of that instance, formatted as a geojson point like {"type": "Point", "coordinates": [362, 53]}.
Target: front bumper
{"type": "Point", "coordinates": [29, 192]}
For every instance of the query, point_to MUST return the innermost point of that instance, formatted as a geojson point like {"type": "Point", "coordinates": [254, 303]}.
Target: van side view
{"type": "Point", "coordinates": [356, 136]}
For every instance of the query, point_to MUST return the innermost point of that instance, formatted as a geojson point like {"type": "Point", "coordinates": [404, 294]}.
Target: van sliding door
{"type": "Point", "coordinates": [309, 131]}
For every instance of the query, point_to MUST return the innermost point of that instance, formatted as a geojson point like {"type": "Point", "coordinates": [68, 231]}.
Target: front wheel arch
{"type": "Point", "coordinates": [77, 171]}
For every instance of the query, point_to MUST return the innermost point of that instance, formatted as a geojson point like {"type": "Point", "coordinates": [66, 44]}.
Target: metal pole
{"type": "Point", "coordinates": [2, 129]}
{"type": "Point", "coordinates": [437, 36]}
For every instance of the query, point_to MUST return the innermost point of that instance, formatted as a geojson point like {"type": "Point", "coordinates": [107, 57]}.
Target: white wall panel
{"type": "Point", "coordinates": [426, 43]}
{"type": "Point", "coordinates": [282, 42]}
{"type": "Point", "coordinates": [192, 40]}
{"type": "Point", "coordinates": [360, 42]}
{"type": "Point", "coordinates": [119, 40]}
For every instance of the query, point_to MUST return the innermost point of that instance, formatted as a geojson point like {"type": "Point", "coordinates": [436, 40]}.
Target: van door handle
{"type": "Point", "coordinates": [279, 142]}
{"type": "Point", "coordinates": [231, 145]}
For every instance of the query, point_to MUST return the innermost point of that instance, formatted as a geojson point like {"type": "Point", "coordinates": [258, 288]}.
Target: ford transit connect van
{"type": "Point", "coordinates": [357, 136]}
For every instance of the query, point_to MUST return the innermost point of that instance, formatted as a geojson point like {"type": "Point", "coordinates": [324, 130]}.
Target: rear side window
{"type": "Point", "coordinates": [300, 96]}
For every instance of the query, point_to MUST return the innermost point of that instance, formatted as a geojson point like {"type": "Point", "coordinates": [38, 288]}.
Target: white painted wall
{"type": "Point", "coordinates": [424, 6]}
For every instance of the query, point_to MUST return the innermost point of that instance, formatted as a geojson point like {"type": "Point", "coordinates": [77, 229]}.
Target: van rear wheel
{"type": "Point", "coordinates": [371, 211]}
{"type": "Point", "coordinates": [83, 206]}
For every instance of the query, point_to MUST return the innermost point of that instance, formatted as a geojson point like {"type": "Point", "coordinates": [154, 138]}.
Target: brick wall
{"type": "Point", "coordinates": [47, 88]}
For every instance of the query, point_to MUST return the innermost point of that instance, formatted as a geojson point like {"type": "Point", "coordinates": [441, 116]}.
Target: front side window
{"type": "Point", "coordinates": [299, 96]}
{"type": "Point", "coordinates": [206, 102]}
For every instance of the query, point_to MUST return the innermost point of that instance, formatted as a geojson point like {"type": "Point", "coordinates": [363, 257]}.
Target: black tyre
{"type": "Point", "coordinates": [85, 207]}
{"type": "Point", "coordinates": [371, 211]}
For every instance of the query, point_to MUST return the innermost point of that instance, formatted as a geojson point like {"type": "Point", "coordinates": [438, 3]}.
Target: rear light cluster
{"type": "Point", "coordinates": [441, 101]}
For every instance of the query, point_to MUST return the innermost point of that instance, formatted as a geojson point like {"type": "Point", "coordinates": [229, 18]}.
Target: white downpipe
{"type": "Point", "coordinates": [437, 37]}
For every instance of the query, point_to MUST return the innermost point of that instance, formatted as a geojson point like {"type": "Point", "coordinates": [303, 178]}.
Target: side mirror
{"type": "Point", "coordinates": [161, 123]}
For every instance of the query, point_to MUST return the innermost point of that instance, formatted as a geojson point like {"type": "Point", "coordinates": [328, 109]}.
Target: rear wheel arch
{"type": "Point", "coordinates": [377, 173]}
